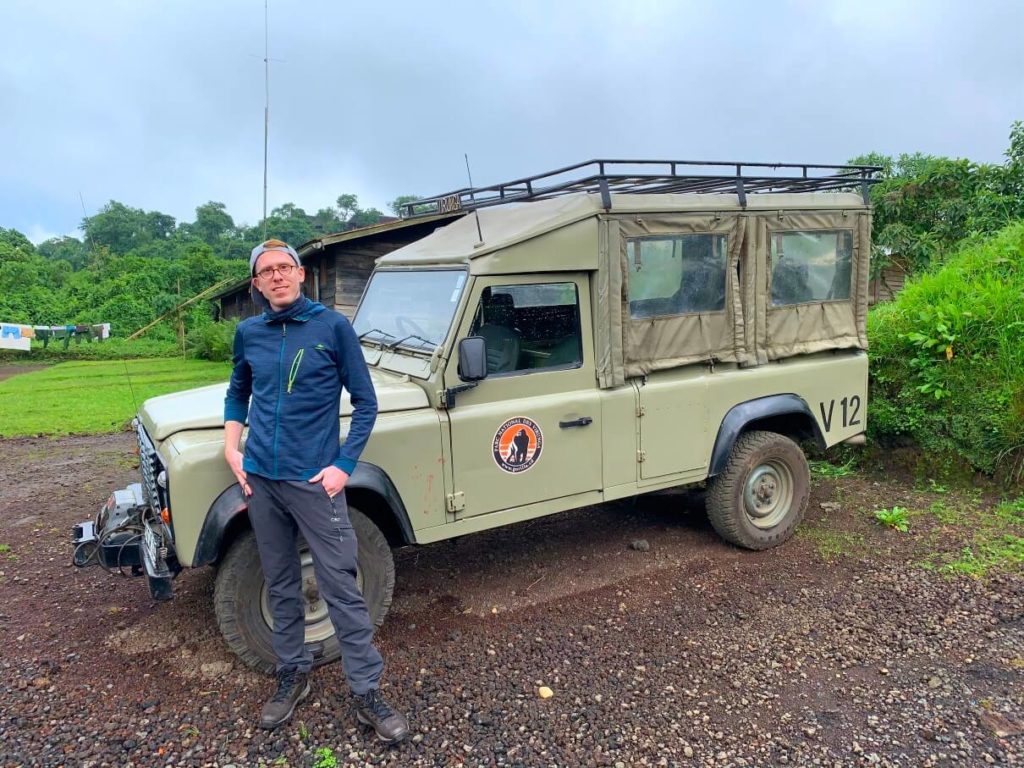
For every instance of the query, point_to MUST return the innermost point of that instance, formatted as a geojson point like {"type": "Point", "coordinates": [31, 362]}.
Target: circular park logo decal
{"type": "Point", "coordinates": [517, 444]}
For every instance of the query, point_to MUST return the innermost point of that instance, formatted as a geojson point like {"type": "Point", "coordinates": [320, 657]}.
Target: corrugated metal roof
{"type": "Point", "coordinates": [371, 231]}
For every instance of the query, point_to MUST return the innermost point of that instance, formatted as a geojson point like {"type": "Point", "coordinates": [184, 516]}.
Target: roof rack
{"type": "Point", "coordinates": [655, 177]}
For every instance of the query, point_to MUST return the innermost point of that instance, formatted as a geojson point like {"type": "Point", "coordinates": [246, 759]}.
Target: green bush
{"type": "Point", "coordinates": [212, 341]}
{"type": "Point", "coordinates": [947, 357]}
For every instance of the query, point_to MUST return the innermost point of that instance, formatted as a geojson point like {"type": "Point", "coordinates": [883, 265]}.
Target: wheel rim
{"type": "Point", "coordinates": [768, 494]}
{"type": "Point", "coordinates": [318, 620]}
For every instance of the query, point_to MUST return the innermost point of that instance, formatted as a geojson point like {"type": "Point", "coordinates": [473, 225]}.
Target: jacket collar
{"type": "Point", "coordinates": [301, 310]}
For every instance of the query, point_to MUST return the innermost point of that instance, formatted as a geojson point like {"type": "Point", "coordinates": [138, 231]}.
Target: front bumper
{"type": "Point", "coordinates": [128, 534]}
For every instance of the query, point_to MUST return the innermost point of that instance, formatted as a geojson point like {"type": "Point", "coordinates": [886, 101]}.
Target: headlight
{"type": "Point", "coordinates": [161, 479]}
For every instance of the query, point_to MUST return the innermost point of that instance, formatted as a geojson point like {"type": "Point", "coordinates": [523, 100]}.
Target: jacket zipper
{"type": "Point", "coordinates": [280, 389]}
{"type": "Point", "coordinates": [294, 372]}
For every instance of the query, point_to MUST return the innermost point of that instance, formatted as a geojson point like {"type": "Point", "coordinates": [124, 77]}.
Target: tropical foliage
{"type": "Point", "coordinates": [131, 266]}
{"type": "Point", "coordinates": [947, 357]}
{"type": "Point", "coordinates": [924, 205]}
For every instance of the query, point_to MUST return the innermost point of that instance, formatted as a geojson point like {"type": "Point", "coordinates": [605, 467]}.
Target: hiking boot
{"type": "Point", "coordinates": [372, 710]}
{"type": "Point", "coordinates": [292, 687]}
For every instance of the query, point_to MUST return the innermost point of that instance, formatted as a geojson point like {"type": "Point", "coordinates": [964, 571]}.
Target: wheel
{"type": "Point", "coordinates": [242, 608]}
{"type": "Point", "coordinates": [761, 496]}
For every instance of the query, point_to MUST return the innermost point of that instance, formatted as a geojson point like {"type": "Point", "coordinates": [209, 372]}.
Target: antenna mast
{"type": "Point", "coordinates": [472, 195]}
{"type": "Point", "coordinates": [266, 108]}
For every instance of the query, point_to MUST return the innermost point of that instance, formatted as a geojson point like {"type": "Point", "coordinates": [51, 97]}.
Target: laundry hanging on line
{"type": "Point", "coordinates": [19, 337]}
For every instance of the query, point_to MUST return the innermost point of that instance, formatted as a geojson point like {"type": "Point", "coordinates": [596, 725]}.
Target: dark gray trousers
{"type": "Point", "coordinates": [278, 510]}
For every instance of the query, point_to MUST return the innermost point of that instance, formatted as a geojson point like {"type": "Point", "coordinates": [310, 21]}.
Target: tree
{"type": "Point", "coordinates": [159, 226]}
{"type": "Point", "coordinates": [212, 223]}
{"type": "Point", "coordinates": [122, 229]}
{"type": "Point", "coordinates": [924, 205]}
{"type": "Point", "coordinates": [364, 218]}
{"type": "Point", "coordinates": [1015, 153]}
{"type": "Point", "coordinates": [16, 240]}
{"type": "Point", "coordinates": [399, 202]}
{"type": "Point", "coordinates": [290, 223]}
{"type": "Point", "coordinates": [1015, 162]}
{"type": "Point", "coordinates": [26, 280]}
{"type": "Point", "coordinates": [351, 216]}
{"type": "Point", "coordinates": [67, 249]}
{"type": "Point", "coordinates": [347, 206]}
{"type": "Point", "coordinates": [326, 221]}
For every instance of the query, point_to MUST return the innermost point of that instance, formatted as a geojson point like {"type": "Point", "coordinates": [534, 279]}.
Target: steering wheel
{"type": "Point", "coordinates": [408, 327]}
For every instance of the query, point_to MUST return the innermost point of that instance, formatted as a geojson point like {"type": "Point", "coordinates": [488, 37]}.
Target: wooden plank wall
{"type": "Point", "coordinates": [325, 272]}
{"type": "Point", "coordinates": [352, 264]}
{"type": "Point", "coordinates": [342, 271]}
{"type": "Point", "coordinates": [886, 285]}
{"type": "Point", "coordinates": [237, 305]}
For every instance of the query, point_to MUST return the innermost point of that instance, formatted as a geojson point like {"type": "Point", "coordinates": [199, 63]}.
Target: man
{"type": "Point", "coordinates": [293, 361]}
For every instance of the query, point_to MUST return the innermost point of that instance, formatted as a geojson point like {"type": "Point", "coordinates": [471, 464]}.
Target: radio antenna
{"type": "Point", "coordinates": [131, 389]}
{"type": "Point", "coordinates": [472, 196]}
{"type": "Point", "coordinates": [266, 107]}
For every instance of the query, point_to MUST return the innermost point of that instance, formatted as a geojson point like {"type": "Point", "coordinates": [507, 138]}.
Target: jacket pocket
{"type": "Point", "coordinates": [293, 373]}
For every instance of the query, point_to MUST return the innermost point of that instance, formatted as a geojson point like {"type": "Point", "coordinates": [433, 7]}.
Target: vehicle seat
{"type": "Point", "coordinates": [704, 290]}
{"type": "Point", "coordinates": [565, 352]}
{"type": "Point", "coordinates": [790, 283]}
{"type": "Point", "coordinates": [499, 334]}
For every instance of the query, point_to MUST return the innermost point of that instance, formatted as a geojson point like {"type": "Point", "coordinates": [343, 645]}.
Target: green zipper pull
{"type": "Point", "coordinates": [294, 372]}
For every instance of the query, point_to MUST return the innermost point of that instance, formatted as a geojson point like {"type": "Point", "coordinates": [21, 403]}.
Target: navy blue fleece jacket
{"type": "Point", "coordinates": [293, 365]}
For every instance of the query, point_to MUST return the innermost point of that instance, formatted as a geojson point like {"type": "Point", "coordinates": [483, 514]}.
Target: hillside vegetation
{"type": "Point", "coordinates": [132, 266]}
{"type": "Point", "coordinates": [947, 357]}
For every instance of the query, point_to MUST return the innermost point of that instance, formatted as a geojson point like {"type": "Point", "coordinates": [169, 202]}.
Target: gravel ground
{"type": "Point", "coordinates": [683, 652]}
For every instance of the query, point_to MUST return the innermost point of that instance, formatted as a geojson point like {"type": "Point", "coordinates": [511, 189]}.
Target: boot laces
{"type": "Point", "coordinates": [376, 704]}
{"type": "Point", "coordinates": [285, 684]}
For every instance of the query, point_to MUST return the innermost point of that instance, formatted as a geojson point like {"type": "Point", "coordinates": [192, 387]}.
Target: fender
{"type": "Point", "coordinates": [739, 416]}
{"type": "Point", "coordinates": [231, 503]}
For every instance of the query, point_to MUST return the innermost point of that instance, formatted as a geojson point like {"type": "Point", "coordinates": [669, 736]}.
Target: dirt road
{"type": "Point", "coordinates": [9, 370]}
{"type": "Point", "coordinates": [837, 649]}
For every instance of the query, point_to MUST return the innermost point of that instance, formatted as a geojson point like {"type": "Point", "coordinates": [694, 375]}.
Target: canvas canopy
{"type": "Point", "coordinates": [742, 288]}
{"type": "Point", "coordinates": [680, 279]}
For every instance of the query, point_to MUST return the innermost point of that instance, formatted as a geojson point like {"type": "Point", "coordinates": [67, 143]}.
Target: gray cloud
{"type": "Point", "coordinates": [161, 105]}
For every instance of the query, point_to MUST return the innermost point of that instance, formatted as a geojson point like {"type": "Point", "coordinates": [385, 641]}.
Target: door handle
{"type": "Point", "coordinates": [582, 421]}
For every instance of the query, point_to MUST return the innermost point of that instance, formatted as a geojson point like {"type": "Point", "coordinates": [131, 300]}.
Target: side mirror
{"type": "Point", "coordinates": [473, 359]}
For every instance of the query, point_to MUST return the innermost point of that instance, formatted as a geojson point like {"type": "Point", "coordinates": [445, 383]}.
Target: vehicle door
{"type": "Point", "coordinates": [530, 431]}
{"type": "Point", "coordinates": [681, 284]}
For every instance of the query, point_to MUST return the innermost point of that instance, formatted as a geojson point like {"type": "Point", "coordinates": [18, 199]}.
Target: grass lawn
{"type": "Point", "coordinates": [94, 397]}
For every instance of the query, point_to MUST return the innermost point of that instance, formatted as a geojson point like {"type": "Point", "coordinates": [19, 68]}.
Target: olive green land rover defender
{"type": "Point", "coordinates": [598, 332]}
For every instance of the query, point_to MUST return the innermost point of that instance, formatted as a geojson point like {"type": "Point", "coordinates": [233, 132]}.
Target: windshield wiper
{"type": "Point", "coordinates": [376, 330]}
{"type": "Point", "coordinates": [393, 344]}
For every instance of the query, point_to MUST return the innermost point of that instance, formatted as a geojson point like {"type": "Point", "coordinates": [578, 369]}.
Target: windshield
{"type": "Point", "coordinates": [409, 309]}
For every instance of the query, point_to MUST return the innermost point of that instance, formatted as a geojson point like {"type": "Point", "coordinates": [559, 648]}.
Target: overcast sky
{"type": "Point", "coordinates": [160, 104]}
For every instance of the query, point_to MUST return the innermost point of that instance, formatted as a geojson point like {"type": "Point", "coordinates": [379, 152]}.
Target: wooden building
{"type": "Point", "coordinates": [338, 266]}
{"type": "Point", "coordinates": [888, 283]}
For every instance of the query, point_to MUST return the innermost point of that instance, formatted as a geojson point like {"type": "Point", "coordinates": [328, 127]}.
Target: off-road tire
{"type": "Point", "coordinates": [239, 581]}
{"type": "Point", "coordinates": [775, 457]}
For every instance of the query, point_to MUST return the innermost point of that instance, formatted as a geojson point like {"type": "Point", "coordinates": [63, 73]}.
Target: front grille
{"type": "Point", "coordinates": [150, 466]}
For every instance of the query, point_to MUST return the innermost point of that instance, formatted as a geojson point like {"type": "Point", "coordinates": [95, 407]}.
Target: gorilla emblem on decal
{"type": "Point", "coordinates": [517, 445]}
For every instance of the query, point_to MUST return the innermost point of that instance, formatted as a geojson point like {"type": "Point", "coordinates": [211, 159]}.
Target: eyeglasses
{"type": "Point", "coordinates": [267, 273]}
